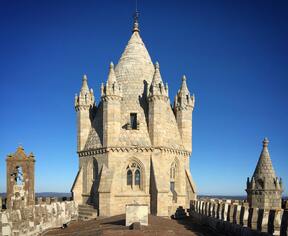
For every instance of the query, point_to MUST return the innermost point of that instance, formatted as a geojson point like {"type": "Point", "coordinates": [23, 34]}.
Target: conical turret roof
{"type": "Point", "coordinates": [134, 67]}
{"type": "Point", "coordinates": [184, 89]}
{"type": "Point", "coordinates": [111, 76]}
{"type": "Point", "coordinates": [84, 88]}
{"type": "Point", "coordinates": [264, 168]}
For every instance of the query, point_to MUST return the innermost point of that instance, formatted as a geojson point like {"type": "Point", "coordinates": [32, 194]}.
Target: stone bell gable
{"type": "Point", "coordinates": [129, 142]}
{"type": "Point", "coordinates": [20, 179]}
{"type": "Point", "coordinates": [264, 190]}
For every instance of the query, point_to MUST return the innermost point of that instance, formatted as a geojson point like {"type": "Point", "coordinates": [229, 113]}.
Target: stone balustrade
{"type": "Point", "coordinates": [237, 219]}
{"type": "Point", "coordinates": [34, 219]}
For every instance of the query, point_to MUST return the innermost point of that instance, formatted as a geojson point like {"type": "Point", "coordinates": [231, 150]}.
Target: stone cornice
{"type": "Point", "coordinates": [158, 97]}
{"type": "Point", "coordinates": [83, 107]}
{"type": "Point", "coordinates": [132, 149]}
{"type": "Point", "coordinates": [111, 97]}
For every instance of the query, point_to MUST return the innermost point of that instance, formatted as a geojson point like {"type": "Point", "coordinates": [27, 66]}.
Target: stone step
{"type": "Point", "coordinates": [87, 212]}
{"type": "Point", "coordinates": [86, 206]}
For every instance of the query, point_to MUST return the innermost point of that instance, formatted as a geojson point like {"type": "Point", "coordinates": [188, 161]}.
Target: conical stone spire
{"type": "Point", "coordinates": [111, 76]}
{"type": "Point", "coordinates": [184, 89]}
{"type": "Point", "coordinates": [157, 87]}
{"type": "Point", "coordinates": [264, 168]}
{"type": "Point", "coordinates": [84, 88]}
{"type": "Point", "coordinates": [112, 86]}
{"type": "Point", "coordinates": [183, 99]}
{"type": "Point", "coordinates": [86, 97]}
{"type": "Point", "coordinates": [264, 190]}
{"type": "Point", "coordinates": [134, 66]}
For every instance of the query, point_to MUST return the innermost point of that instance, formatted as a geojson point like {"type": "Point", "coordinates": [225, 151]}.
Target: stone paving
{"type": "Point", "coordinates": [116, 226]}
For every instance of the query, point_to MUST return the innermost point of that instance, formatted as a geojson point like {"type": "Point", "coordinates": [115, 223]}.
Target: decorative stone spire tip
{"type": "Point", "coordinates": [157, 66]}
{"type": "Point", "coordinates": [265, 142]}
{"type": "Point", "coordinates": [136, 24]}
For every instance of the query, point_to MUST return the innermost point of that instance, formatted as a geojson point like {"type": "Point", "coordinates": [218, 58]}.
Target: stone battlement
{"type": "Point", "coordinates": [34, 219]}
{"type": "Point", "coordinates": [236, 218]}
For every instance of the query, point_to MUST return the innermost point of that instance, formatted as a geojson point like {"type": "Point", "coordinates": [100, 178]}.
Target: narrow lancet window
{"type": "Point", "coordinates": [129, 178]}
{"type": "Point", "coordinates": [133, 120]}
{"type": "Point", "coordinates": [137, 178]}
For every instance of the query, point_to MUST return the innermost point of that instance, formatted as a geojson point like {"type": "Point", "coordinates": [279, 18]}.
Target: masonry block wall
{"type": "Point", "coordinates": [35, 219]}
{"type": "Point", "coordinates": [238, 219]}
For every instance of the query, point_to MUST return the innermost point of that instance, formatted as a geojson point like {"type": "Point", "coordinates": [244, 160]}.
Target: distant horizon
{"type": "Point", "coordinates": [234, 55]}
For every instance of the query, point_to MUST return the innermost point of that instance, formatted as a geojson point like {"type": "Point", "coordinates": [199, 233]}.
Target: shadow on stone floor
{"type": "Point", "coordinates": [200, 230]}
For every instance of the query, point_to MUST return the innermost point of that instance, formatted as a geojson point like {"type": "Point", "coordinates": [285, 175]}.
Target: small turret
{"type": "Point", "coordinates": [157, 97]}
{"type": "Point", "coordinates": [84, 105]}
{"type": "Point", "coordinates": [264, 183]}
{"type": "Point", "coordinates": [157, 87]}
{"type": "Point", "coordinates": [111, 95]}
{"type": "Point", "coordinates": [183, 108]}
{"type": "Point", "coordinates": [86, 97]}
{"type": "Point", "coordinates": [112, 87]}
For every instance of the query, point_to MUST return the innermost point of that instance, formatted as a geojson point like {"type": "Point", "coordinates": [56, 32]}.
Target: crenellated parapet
{"type": "Point", "coordinates": [232, 217]}
{"type": "Point", "coordinates": [35, 219]}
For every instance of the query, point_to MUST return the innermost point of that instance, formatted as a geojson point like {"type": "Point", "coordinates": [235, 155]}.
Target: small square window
{"type": "Point", "coordinates": [133, 120]}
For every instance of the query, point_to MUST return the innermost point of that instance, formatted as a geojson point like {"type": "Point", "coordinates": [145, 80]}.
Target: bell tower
{"type": "Point", "coordinates": [20, 179]}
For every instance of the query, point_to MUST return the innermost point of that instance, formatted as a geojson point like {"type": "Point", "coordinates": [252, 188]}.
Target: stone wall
{"type": "Point", "coordinates": [33, 220]}
{"type": "Point", "coordinates": [237, 219]}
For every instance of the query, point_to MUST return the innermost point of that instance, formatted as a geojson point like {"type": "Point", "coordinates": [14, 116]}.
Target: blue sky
{"type": "Point", "coordinates": [234, 54]}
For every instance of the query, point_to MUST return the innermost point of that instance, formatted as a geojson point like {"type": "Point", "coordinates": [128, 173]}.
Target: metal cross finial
{"type": "Point", "coordinates": [136, 19]}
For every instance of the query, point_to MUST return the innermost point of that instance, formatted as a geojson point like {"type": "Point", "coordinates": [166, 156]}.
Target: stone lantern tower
{"type": "Point", "coordinates": [264, 190]}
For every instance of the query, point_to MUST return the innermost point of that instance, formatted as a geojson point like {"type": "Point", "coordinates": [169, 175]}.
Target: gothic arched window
{"type": "Point", "coordinates": [129, 178]}
{"type": "Point", "coordinates": [137, 177]}
{"type": "Point", "coordinates": [133, 175]}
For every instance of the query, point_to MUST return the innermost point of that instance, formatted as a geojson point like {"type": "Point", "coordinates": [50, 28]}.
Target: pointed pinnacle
{"type": "Point", "coordinates": [157, 66]}
{"type": "Point", "coordinates": [265, 142]}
